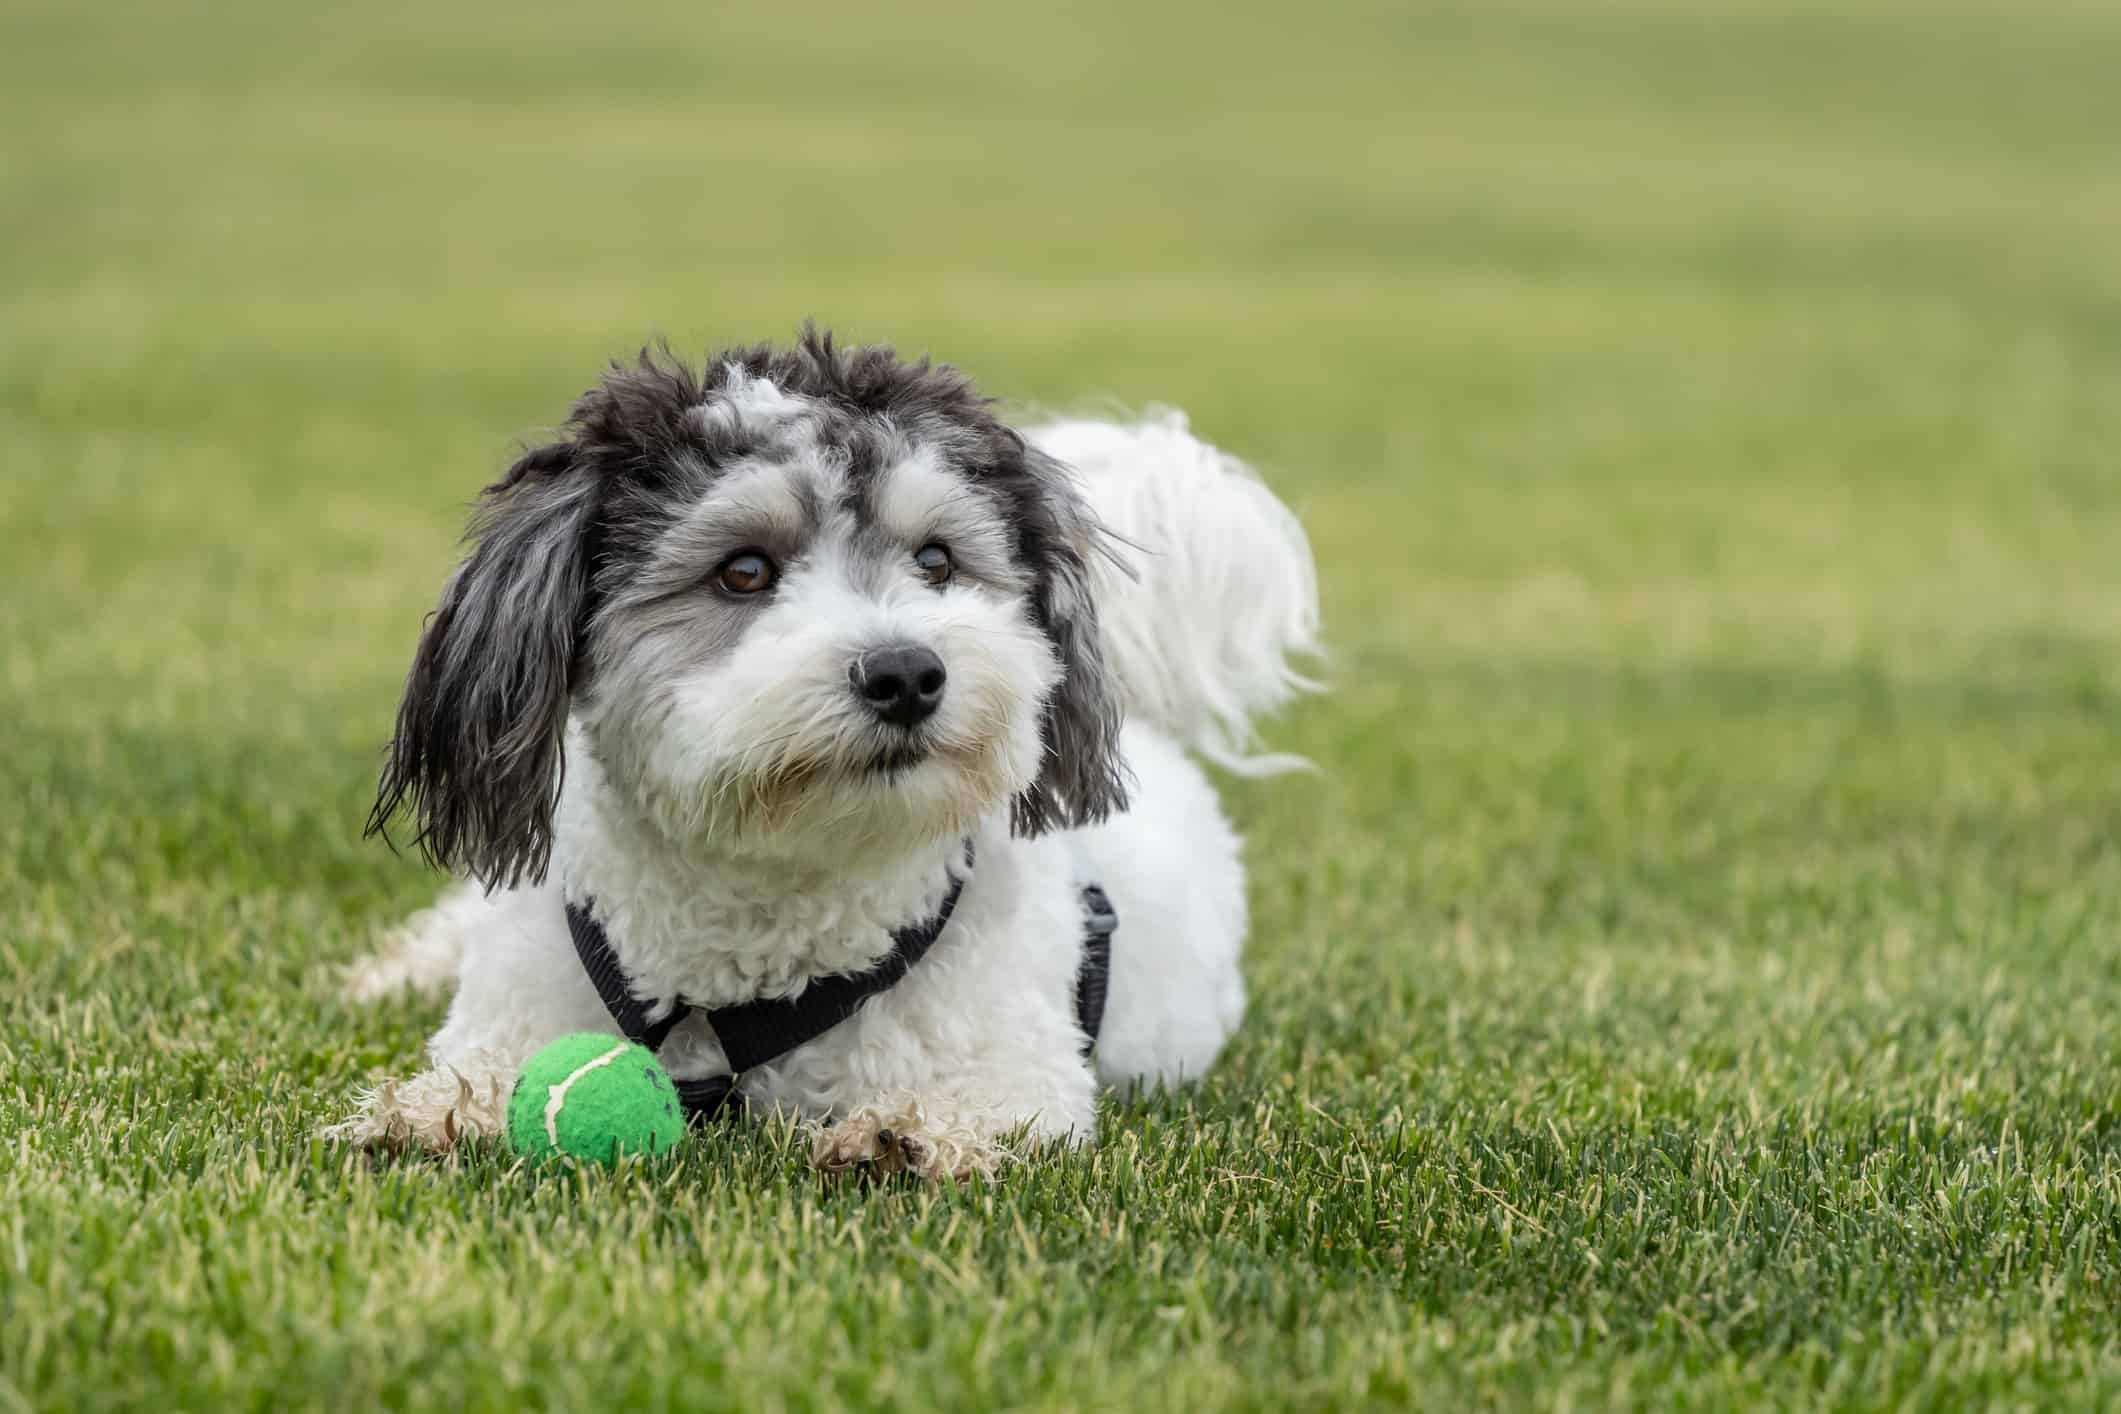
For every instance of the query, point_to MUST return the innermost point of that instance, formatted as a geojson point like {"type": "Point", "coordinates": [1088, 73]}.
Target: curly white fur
{"type": "Point", "coordinates": [1200, 622]}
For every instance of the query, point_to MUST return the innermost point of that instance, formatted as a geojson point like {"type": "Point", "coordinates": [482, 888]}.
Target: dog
{"type": "Point", "coordinates": [762, 672]}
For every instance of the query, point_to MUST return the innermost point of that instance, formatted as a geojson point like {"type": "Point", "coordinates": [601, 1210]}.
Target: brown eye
{"type": "Point", "coordinates": [934, 563]}
{"type": "Point", "coordinates": [746, 572]}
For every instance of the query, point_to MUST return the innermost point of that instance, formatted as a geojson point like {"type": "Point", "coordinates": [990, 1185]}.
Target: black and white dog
{"type": "Point", "coordinates": [759, 671]}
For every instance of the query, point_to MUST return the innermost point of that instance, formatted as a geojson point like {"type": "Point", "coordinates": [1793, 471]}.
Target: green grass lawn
{"type": "Point", "coordinates": [1692, 977]}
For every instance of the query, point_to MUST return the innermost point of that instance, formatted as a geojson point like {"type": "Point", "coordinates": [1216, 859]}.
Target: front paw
{"type": "Point", "coordinates": [435, 1112]}
{"type": "Point", "coordinates": [906, 1140]}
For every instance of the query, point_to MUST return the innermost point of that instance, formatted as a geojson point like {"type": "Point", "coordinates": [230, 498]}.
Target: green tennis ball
{"type": "Point", "coordinates": [596, 1097]}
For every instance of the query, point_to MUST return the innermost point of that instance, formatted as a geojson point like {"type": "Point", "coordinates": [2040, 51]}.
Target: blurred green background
{"type": "Point", "coordinates": [1691, 973]}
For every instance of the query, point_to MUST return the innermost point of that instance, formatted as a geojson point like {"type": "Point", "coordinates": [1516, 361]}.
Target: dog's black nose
{"type": "Point", "coordinates": [901, 682]}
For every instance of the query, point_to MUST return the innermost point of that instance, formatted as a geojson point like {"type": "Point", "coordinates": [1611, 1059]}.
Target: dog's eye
{"type": "Point", "coordinates": [934, 563]}
{"type": "Point", "coordinates": [746, 572]}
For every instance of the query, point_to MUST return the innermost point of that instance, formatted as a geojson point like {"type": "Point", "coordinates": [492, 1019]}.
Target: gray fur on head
{"type": "Point", "coordinates": [573, 526]}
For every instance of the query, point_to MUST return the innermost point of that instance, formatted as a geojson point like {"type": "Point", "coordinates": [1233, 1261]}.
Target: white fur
{"type": "Point", "coordinates": [744, 399]}
{"type": "Point", "coordinates": [979, 1042]}
{"type": "Point", "coordinates": [1222, 592]}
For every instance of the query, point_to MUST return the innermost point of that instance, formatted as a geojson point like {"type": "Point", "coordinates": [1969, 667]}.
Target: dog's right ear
{"type": "Point", "coordinates": [478, 745]}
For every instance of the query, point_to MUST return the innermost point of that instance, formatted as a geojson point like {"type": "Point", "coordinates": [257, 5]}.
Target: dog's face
{"type": "Point", "coordinates": [831, 639]}
{"type": "Point", "coordinates": [809, 601]}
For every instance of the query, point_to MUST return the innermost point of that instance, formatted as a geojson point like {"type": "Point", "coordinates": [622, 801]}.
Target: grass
{"type": "Point", "coordinates": [1691, 979]}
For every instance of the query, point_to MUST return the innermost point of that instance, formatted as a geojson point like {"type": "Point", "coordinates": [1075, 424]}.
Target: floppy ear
{"type": "Point", "coordinates": [477, 750]}
{"type": "Point", "coordinates": [1082, 778]}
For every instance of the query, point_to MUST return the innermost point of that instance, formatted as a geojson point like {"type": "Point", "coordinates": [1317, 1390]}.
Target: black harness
{"type": "Point", "coordinates": [755, 1032]}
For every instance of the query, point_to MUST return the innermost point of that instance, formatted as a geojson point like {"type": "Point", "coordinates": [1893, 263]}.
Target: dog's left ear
{"type": "Point", "coordinates": [1082, 778]}
{"type": "Point", "coordinates": [478, 744]}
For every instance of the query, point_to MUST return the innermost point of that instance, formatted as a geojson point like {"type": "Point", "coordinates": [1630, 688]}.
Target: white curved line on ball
{"type": "Point", "coordinates": [556, 1095]}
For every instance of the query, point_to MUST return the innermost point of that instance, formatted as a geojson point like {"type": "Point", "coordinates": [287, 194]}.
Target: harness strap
{"type": "Point", "coordinates": [1100, 921]}
{"type": "Point", "coordinates": [755, 1032]}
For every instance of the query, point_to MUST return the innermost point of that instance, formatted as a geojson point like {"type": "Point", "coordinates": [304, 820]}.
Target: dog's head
{"type": "Point", "coordinates": [813, 600]}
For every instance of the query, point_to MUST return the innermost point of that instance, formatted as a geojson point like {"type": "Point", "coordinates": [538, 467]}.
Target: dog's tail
{"type": "Point", "coordinates": [1216, 592]}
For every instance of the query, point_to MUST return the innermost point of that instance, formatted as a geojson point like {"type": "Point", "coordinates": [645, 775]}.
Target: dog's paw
{"type": "Point", "coordinates": [434, 1112]}
{"type": "Point", "coordinates": [879, 1142]}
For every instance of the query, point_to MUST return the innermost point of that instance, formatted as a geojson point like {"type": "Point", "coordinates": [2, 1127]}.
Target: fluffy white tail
{"type": "Point", "coordinates": [1222, 593]}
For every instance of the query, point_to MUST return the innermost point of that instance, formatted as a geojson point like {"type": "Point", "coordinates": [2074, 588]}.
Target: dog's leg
{"type": "Point", "coordinates": [521, 987]}
{"type": "Point", "coordinates": [974, 1060]}
{"type": "Point", "coordinates": [954, 1112]}
{"type": "Point", "coordinates": [450, 1104]}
